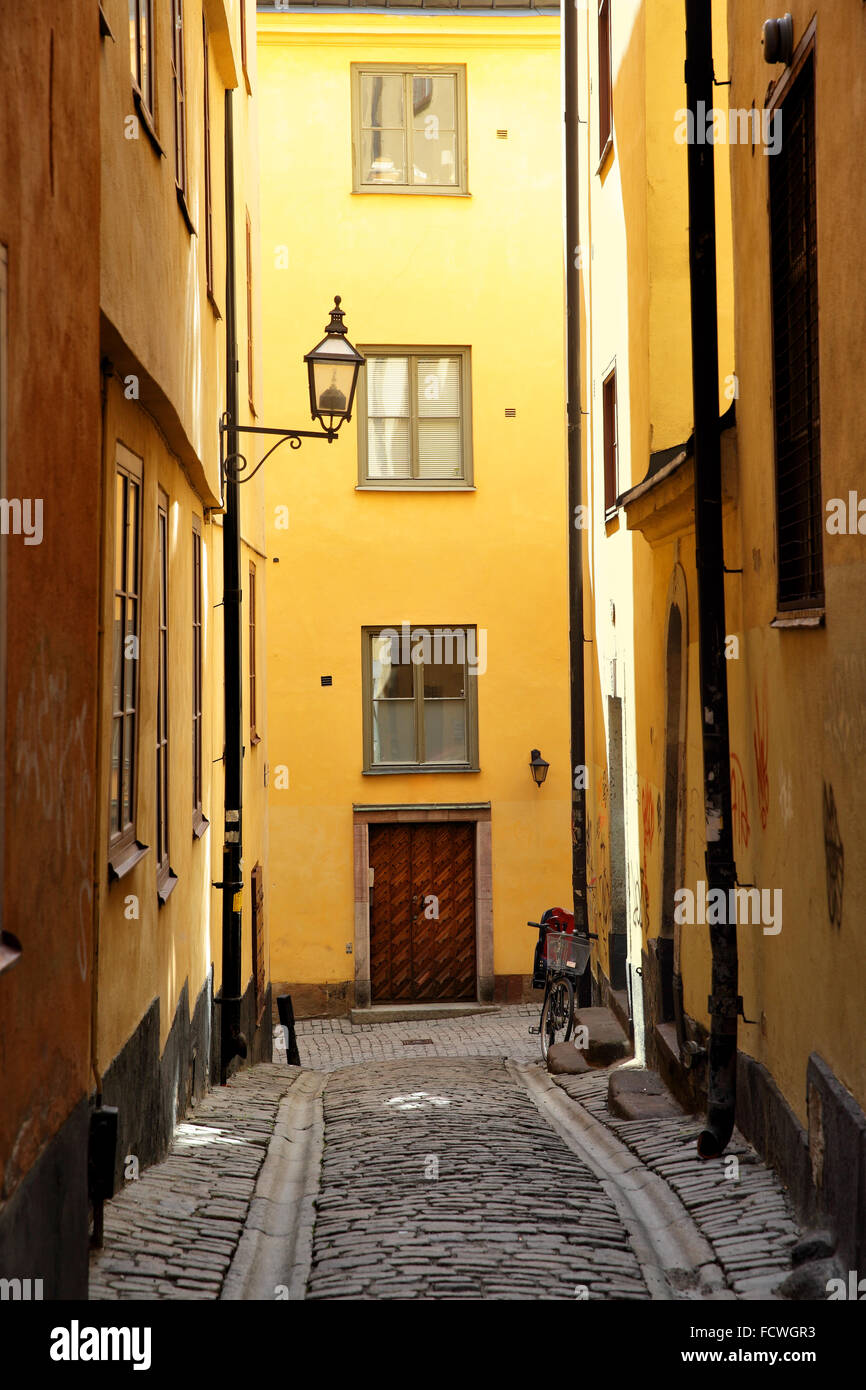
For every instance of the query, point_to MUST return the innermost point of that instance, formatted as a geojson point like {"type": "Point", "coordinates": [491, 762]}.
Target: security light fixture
{"type": "Point", "coordinates": [778, 39]}
{"type": "Point", "coordinates": [538, 767]}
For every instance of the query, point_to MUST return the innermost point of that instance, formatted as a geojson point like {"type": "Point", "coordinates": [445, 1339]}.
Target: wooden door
{"type": "Point", "coordinates": [422, 911]}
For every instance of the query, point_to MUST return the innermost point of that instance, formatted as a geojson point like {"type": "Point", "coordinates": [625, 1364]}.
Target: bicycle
{"type": "Point", "coordinates": [565, 958]}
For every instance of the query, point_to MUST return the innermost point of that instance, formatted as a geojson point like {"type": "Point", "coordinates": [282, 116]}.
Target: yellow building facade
{"type": "Point", "coordinates": [417, 592]}
{"type": "Point", "coordinates": [789, 411]}
{"type": "Point", "coordinates": [163, 287]}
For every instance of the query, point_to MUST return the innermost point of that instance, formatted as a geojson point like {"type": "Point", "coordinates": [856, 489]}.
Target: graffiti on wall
{"type": "Point", "coordinates": [834, 857]}
{"type": "Point", "coordinates": [762, 756]}
{"type": "Point", "coordinates": [845, 706]}
{"type": "Point", "coordinates": [694, 820]}
{"type": "Point", "coordinates": [598, 871]}
{"type": "Point", "coordinates": [739, 805]}
{"type": "Point", "coordinates": [648, 816]}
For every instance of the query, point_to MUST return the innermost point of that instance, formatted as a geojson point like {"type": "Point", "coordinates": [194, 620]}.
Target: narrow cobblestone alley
{"type": "Point", "coordinates": [441, 1179]}
{"type": "Point", "coordinates": [442, 1174]}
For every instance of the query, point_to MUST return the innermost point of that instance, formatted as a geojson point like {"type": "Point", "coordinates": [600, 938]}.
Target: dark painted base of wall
{"type": "Point", "coordinates": [258, 1031]}
{"type": "Point", "coordinates": [515, 989]}
{"type": "Point", "coordinates": [337, 1000]}
{"type": "Point", "coordinates": [604, 994]}
{"type": "Point", "coordinates": [318, 1001]}
{"type": "Point", "coordinates": [151, 1092]}
{"type": "Point", "coordinates": [822, 1168]}
{"type": "Point", "coordinates": [44, 1227]}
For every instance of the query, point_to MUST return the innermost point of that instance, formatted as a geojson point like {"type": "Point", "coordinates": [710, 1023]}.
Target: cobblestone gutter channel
{"type": "Point", "coordinates": [740, 1208]}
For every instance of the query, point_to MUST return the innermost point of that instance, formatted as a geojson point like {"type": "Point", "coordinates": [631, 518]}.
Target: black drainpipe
{"type": "Point", "coordinates": [575, 491]}
{"type": "Point", "coordinates": [232, 1042]}
{"type": "Point", "coordinates": [720, 869]}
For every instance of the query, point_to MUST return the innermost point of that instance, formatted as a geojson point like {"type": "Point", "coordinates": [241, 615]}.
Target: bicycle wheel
{"type": "Point", "coordinates": [557, 1015]}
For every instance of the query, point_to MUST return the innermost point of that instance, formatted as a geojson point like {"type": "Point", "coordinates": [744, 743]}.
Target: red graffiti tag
{"type": "Point", "coordinates": [762, 759]}
{"type": "Point", "coordinates": [649, 820]}
{"type": "Point", "coordinates": [739, 805]}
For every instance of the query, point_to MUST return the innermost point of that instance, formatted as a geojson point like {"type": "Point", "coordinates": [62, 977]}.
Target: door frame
{"type": "Point", "coordinates": [475, 811]}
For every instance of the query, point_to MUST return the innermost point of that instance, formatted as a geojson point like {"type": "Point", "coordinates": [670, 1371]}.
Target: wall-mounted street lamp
{"type": "Point", "coordinates": [333, 366]}
{"type": "Point", "coordinates": [538, 767]}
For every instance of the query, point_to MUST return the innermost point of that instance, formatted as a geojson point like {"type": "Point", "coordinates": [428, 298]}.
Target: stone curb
{"type": "Point", "coordinates": [676, 1260]}
{"type": "Point", "coordinates": [275, 1249]}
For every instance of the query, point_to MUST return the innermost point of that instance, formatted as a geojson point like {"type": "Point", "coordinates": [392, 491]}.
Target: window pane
{"type": "Point", "coordinates": [126, 775]}
{"type": "Point", "coordinates": [393, 731]}
{"type": "Point", "coordinates": [435, 158]}
{"type": "Point", "coordinates": [383, 156]}
{"type": "Point", "coordinates": [132, 537]}
{"type": "Point", "coordinates": [387, 386]}
{"type": "Point", "coordinates": [445, 731]}
{"type": "Point", "coordinates": [382, 99]}
{"type": "Point", "coordinates": [146, 86]}
{"type": "Point", "coordinates": [116, 735]}
{"type": "Point", "coordinates": [434, 103]}
{"type": "Point", "coordinates": [130, 654]}
{"type": "Point", "coordinates": [391, 679]}
{"type": "Point", "coordinates": [119, 531]}
{"type": "Point", "coordinates": [439, 449]}
{"type": "Point", "coordinates": [388, 449]}
{"type": "Point", "coordinates": [133, 37]}
{"type": "Point", "coordinates": [438, 387]}
{"type": "Point", "coordinates": [117, 662]}
{"type": "Point", "coordinates": [445, 673]}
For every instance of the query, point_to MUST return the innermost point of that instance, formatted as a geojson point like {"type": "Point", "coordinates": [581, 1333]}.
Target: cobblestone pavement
{"type": "Point", "coordinates": [442, 1180]}
{"type": "Point", "coordinates": [172, 1233]}
{"type": "Point", "coordinates": [740, 1208]}
{"type": "Point", "coordinates": [327, 1044]}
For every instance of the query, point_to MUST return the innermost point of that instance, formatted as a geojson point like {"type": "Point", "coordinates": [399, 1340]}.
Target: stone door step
{"type": "Point", "coordinates": [607, 1041]}
{"type": "Point", "coordinates": [418, 1013]}
{"type": "Point", "coordinates": [636, 1093]}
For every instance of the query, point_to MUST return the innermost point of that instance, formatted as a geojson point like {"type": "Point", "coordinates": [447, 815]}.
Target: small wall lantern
{"type": "Point", "coordinates": [538, 767]}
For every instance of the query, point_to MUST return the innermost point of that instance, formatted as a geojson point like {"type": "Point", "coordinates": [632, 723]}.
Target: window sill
{"type": "Point", "coordinates": [405, 486]}
{"type": "Point", "coordinates": [611, 521]}
{"type": "Point", "coordinates": [184, 207]}
{"type": "Point", "coordinates": [605, 155]}
{"type": "Point", "coordinates": [104, 26]}
{"type": "Point", "coordinates": [416, 769]}
{"type": "Point", "coordinates": [255, 739]}
{"type": "Point", "coordinates": [408, 191]}
{"type": "Point", "coordinates": [213, 304]}
{"type": "Point", "coordinates": [200, 824]}
{"type": "Point", "coordinates": [123, 859]}
{"type": "Point", "coordinates": [800, 617]}
{"type": "Point", "coordinates": [166, 886]}
{"type": "Point", "coordinates": [147, 121]}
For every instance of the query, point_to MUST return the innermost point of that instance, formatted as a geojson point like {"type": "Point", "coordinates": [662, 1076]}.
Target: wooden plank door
{"type": "Point", "coordinates": [422, 912]}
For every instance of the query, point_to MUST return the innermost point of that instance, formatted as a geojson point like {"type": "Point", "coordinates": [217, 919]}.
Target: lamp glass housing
{"type": "Point", "coordinates": [333, 366]}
